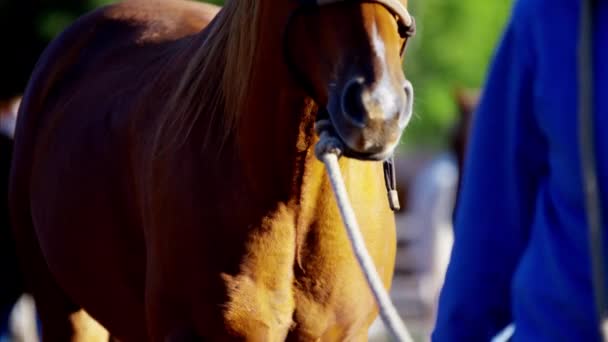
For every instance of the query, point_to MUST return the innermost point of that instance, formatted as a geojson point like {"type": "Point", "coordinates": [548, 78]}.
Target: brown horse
{"type": "Point", "coordinates": [164, 177]}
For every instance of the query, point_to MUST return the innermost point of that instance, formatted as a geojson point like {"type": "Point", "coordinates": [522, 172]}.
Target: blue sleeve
{"type": "Point", "coordinates": [505, 161]}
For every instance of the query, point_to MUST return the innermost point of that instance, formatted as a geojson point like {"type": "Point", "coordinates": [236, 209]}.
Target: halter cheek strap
{"type": "Point", "coordinates": [395, 6]}
{"type": "Point", "coordinates": [407, 24]}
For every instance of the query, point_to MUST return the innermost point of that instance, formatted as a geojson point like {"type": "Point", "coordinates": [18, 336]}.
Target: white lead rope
{"type": "Point", "coordinates": [328, 150]}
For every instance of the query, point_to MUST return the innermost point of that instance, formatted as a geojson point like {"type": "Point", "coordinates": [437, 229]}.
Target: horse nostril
{"type": "Point", "coordinates": [352, 103]}
{"type": "Point", "coordinates": [409, 89]}
{"type": "Point", "coordinates": [409, 103]}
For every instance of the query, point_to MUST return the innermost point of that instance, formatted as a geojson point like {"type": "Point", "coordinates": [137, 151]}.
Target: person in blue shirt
{"type": "Point", "coordinates": [521, 252]}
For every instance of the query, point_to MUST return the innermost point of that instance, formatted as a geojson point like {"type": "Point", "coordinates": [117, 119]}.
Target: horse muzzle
{"type": "Point", "coordinates": [369, 120]}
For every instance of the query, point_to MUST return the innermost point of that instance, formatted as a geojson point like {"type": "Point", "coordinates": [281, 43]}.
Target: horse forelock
{"type": "Point", "coordinates": [215, 81]}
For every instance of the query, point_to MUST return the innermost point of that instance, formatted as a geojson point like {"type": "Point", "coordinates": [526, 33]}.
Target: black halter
{"type": "Point", "coordinates": [407, 29]}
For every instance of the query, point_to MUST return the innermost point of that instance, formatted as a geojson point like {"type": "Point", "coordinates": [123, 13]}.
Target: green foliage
{"type": "Point", "coordinates": [53, 22]}
{"type": "Point", "coordinates": [454, 43]}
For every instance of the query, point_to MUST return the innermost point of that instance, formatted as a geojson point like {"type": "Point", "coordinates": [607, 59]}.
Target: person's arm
{"type": "Point", "coordinates": [505, 163]}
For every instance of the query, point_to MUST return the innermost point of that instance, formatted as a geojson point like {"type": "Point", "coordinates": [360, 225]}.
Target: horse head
{"type": "Point", "coordinates": [348, 57]}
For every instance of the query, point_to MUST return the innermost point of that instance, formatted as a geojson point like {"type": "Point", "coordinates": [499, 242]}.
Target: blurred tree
{"type": "Point", "coordinates": [454, 44]}
{"type": "Point", "coordinates": [26, 26]}
{"type": "Point", "coordinates": [19, 45]}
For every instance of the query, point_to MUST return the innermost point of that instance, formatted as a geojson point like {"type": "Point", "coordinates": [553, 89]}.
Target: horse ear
{"type": "Point", "coordinates": [459, 98]}
{"type": "Point", "coordinates": [466, 100]}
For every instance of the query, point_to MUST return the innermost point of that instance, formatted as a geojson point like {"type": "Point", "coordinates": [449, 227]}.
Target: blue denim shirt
{"type": "Point", "coordinates": [521, 251]}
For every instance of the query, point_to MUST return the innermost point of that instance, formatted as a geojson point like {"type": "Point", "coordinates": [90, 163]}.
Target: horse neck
{"type": "Point", "coordinates": [275, 134]}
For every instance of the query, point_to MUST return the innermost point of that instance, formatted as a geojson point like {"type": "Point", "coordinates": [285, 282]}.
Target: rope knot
{"type": "Point", "coordinates": [328, 144]}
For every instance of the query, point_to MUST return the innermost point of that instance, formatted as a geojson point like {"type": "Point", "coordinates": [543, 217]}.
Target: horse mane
{"type": "Point", "coordinates": [214, 82]}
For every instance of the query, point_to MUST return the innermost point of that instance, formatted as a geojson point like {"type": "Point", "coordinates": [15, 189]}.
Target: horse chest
{"type": "Point", "coordinates": [260, 297]}
{"type": "Point", "coordinates": [307, 287]}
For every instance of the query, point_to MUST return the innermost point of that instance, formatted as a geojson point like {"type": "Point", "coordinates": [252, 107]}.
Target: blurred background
{"type": "Point", "coordinates": [446, 62]}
